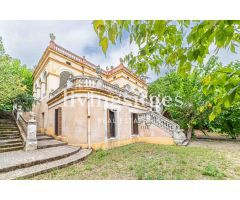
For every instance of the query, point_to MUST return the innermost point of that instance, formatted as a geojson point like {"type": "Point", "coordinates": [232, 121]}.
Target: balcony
{"type": "Point", "coordinates": [88, 82]}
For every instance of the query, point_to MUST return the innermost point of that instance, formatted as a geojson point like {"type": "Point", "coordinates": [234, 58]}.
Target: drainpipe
{"type": "Point", "coordinates": [88, 121]}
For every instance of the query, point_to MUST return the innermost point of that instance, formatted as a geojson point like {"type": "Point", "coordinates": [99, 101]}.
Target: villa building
{"type": "Point", "coordinates": [84, 105]}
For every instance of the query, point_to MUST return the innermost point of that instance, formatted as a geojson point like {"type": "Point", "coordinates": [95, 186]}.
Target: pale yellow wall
{"type": "Point", "coordinates": [121, 80]}
{"type": "Point", "coordinates": [75, 119]}
{"type": "Point", "coordinates": [54, 64]}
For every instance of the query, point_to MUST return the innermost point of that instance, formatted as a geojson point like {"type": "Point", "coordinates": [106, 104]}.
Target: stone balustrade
{"type": "Point", "coordinates": [163, 122]}
{"type": "Point", "coordinates": [98, 83]}
{"type": "Point", "coordinates": [158, 120]}
{"type": "Point", "coordinates": [71, 55]}
{"type": "Point", "coordinates": [28, 128]}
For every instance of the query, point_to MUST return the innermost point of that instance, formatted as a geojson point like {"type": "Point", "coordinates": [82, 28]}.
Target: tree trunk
{"type": "Point", "coordinates": [189, 132]}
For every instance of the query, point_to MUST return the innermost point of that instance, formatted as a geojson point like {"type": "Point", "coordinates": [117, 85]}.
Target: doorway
{"type": "Point", "coordinates": [58, 121]}
{"type": "Point", "coordinates": [134, 124]}
{"type": "Point", "coordinates": [111, 123]}
{"type": "Point", "coordinates": [43, 122]}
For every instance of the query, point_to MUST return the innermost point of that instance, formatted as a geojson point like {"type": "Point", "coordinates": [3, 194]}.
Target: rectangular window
{"type": "Point", "coordinates": [111, 124]}
{"type": "Point", "coordinates": [134, 123]}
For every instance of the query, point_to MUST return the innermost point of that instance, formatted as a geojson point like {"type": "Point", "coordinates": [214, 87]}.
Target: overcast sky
{"type": "Point", "coordinates": [27, 40]}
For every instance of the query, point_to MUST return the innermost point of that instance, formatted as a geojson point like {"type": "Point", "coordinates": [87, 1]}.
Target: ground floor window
{"type": "Point", "coordinates": [134, 123]}
{"type": "Point", "coordinates": [58, 121]}
{"type": "Point", "coordinates": [111, 124]}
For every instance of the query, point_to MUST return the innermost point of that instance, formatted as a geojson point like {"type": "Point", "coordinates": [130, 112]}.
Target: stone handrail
{"type": "Point", "coordinates": [23, 123]}
{"type": "Point", "coordinates": [98, 83]}
{"type": "Point", "coordinates": [158, 120]}
{"type": "Point", "coordinates": [28, 128]}
{"type": "Point", "coordinates": [163, 122]}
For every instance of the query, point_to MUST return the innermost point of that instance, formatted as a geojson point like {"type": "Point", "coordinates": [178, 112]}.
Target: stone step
{"type": "Point", "coordinates": [10, 140]}
{"type": "Point", "coordinates": [42, 144]}
{"type": "Point", "coordinates": [7, 122]}
{"type": "Point", "coordinates": [13, 127]}
{"type": "Point", "coordinates": [8, 129]}
{"type": "Point", "coordinates": [13, 144]}
{"type": "Point", "coordinates": [5, 137]}
{"type": "Point", "coordinates": [6, 125]}
{"type": "Point", "coordinates": [8, 149]}
{"type": "Point", "coordinates": [20, 159]}
{"type": "Point", "coordinates": [46, 167]}
{"type": "Point", "coordinates": [9, 132]}
{"type": "Point", "coordinates": [44, 137]}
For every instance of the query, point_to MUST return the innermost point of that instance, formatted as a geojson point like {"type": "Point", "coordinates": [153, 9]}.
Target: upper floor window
{"type": "Point", "coordinates": [127, 87]}
{"type": "Point", "coordinates": [64, 76]}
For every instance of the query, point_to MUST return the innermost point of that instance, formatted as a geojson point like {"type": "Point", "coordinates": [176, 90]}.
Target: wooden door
{"type": "Point", "coordinates": [58, 121]}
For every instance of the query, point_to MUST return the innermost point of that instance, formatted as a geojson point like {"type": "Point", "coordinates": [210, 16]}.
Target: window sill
{"type": "Point", "coordinates": [112, 139]}
{"type": "Point", "coordinates": [134, 135]}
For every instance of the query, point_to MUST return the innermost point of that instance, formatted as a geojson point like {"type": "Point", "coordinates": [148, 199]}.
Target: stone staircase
{"type": "Point", "coordinates": [165, 123]}
{"type": "Point", "coordinates": [10, 138]}
{"type": "Point", "coordinates": [51, 154]}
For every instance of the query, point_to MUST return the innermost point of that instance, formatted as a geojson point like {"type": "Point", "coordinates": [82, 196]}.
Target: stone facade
{"type": "Point", "coordinates": [76, 99]}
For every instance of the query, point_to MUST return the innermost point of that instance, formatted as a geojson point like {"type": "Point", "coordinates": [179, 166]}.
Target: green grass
{"type": "Point", "coordinates": [148, 161]}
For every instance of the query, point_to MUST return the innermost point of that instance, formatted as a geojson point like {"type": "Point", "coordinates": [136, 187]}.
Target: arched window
{"type": "Point", "coordinates": [116, 85]}
{"type": "Point", "coordinates": [64, 76]}
{"type": "Point", "coordinates": [136, 91]}
{"type": "Point", "coordinates": [39, 92]}
{"type": "Point", "coordinates": [127, 87]}
{"type": "Point", "coordinates": [45, 82]}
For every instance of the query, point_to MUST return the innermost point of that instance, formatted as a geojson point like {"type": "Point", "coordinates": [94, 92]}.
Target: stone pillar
{"type": "Point", "coordinates": [31, 139]}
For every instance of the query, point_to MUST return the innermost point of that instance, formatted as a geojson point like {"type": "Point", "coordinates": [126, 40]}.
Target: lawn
{"type": "Point", "coordinates": [149, 161]}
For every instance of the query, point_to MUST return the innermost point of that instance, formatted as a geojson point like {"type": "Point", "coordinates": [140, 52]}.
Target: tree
{"type": "Point", "coordinates": [184, 44]}
{"type": "Point", "coordinates": [187, 113]}
{"type": "Point", "coordinates": [223, 83]}
{"type": "Point", "coordinates": [197, 106]}
{"type": "Point", "coordinates": [228, 121]}
{"type": "Point", "coordinates": [15, 79]}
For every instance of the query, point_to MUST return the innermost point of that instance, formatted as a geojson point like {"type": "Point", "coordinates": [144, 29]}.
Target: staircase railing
{"type": "Point", "coordinates": [163, 122]}
{"type": "Point", "coordinates": [159, 121]}
{"type": "Point", "coordinates": [28, 128]}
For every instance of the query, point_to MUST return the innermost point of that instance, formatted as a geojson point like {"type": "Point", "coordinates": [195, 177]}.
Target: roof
{"type": "Point", "coordinates": [82, 60]}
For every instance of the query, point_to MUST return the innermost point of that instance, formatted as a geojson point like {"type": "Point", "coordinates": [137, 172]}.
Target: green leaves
{"type": "Point", "coordinates": [97, 24]}
{"type": "Point", "coordinates": [184, 45]}
{"type": "Point", "coordinates": [185, 69]}
{"type": "Point", "coordinates": [212, 117]}
{"type": "Point", "coordinates": [15, 79]}
{"type": "Point", "coordinates": [104, 44]}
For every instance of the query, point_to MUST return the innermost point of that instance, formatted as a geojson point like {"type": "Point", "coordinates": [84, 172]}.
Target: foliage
{"type": "Point", "coordinates": [228, 121]}
{"type": "Point", "coordinates": [15, 79]}
{"type": "Point", "coordinates": [197, 106]}
{"type": "Point", "coordinates": [186, 89]}
{"type": "Point", "coordinates": [184, 44]}
{"type": "Point", "coordinates": [211, 170]}
{"type": "Point", "coordinates": [25, 100]}
{"type": "Point", "coordinates": [224, 84]}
